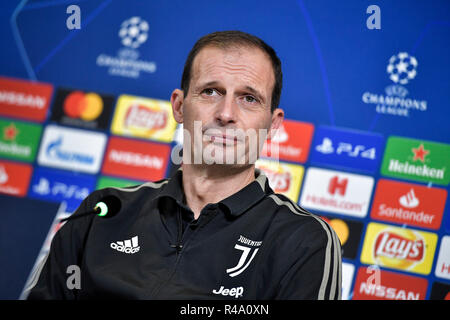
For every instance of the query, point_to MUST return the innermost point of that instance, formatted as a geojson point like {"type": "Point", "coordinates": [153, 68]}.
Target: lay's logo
{"type": "Point", "coordinates": [390, 245]}
{"type": "Point", "coordinates": [281, 181]}
{"type": "Point", "coordinates": [399, 248]}
{"type": "Point", "coordinates": [144, 118]}
{"type": "Point", "coordinates": [283, 177]}
{"type": "Point", "coordinates": [140, 117]}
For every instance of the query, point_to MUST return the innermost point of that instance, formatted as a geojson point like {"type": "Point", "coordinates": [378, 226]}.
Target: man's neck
{"type": "Point", "coordinates": [211, 184]}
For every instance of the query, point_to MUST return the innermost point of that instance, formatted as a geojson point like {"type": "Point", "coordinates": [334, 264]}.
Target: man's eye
{"type": "Point", "coordinates": [209, 91]}
{"type": "Point", "coordinates": [250, 99]}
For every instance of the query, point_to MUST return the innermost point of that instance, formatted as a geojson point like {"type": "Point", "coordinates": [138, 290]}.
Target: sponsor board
{"type": "Point", "coordinates": [443, 262]}
{"type": "Point", "coordinates": [88, 110]}
{"type": "Point", "coordinates": [25, 99]}
{"type": "Point", "coordinates": [292, 141]}
{"type": "Point", "coordinates": [399, 248]}
{"type": "Point", "coordinates": [337, 192]}
{"type": "Point", "coordinates": [19, 140]}
{"type": "Point", "coordinates": [106, 182]}
{"type": "Point", "coordinates": [144, 118]}
{"type": "Point", "coordinates": [58, 186]}
{"type": "Point", "coordinates": [407, 203]}
{"type": "Point", "coordinates": [349, 233]}
{"type": "Point", "coordinates": [140, 160]}
{"type": "Point", "coordinates": [440, 291]}
{"type": "Point", "coordinates": [71, 149]}
{"type": "Point", "coordinates": [347, 148]}
{"type": "Point", "coordinates": [14, 178]}
{"type": "Point", "coordinates": [376, 284]}
{"type": "Point", "coordinates": [348, 271]}
{"type": "Point", "coordinates": [418, 160]}
{"type": "Point", "coordinates": [447, 220]}
{"type": "Point", "coordinates": [283, 177]}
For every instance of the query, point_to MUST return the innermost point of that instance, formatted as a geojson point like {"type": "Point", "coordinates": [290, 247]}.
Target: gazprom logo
{"type": "Point", "coordinates": [55, 150]}
{"type": "Point", "coordinates": [72, 149]}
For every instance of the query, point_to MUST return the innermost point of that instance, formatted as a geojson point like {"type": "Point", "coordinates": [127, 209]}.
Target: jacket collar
{"type": "Point", "coordinates": [236, 204]}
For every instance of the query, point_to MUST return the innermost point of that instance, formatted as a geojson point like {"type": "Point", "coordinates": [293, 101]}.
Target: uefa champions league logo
{"type": "Point", "coordinates": [402, 68]}
{"type": "Point", "coordinates": [133, 32]}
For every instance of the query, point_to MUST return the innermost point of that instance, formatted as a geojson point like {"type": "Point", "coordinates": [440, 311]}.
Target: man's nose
{"type": "Point", "coordinates": [226, 111]}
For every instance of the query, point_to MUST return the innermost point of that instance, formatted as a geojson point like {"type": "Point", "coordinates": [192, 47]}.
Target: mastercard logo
{"type": "Point", "coordinates": [85, 106]}
{"type": "Point", "coordinates": [340, 227]}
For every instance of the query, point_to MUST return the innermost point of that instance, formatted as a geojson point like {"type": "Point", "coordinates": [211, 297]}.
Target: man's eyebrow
{"type": "Point", "coordinates": [208, 84]}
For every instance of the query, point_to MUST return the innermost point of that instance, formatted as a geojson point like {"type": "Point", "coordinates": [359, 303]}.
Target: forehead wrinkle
{"type": "Point", "coordinates": [251, 75]}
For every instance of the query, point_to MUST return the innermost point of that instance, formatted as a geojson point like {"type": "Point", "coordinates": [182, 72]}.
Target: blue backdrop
{"type": "Point", "coordinates": [337, 71]}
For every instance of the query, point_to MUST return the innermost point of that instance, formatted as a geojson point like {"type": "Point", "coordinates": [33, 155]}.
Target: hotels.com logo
{"type": "Point", "coordinates": [336, 185]}
{"type": "Point", "coordinates": [140, 117]}
{"type": "Point", "coordinates": [334, 191]}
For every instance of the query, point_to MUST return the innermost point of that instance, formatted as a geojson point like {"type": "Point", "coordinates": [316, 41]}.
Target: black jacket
{"type": "Point", "coordinates": [255, 244]}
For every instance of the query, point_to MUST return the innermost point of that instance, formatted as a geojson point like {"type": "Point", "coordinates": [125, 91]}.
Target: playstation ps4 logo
{"type": "Point", "coordinates": [58, 186]}
{"type": "Point", "coordinates": [326, 147]}
{"type": "Point", "coordinates": [347, 148]}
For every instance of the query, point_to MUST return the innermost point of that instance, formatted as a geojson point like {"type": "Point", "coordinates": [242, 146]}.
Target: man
{"type": "Point", "coordinates": [215, 229]}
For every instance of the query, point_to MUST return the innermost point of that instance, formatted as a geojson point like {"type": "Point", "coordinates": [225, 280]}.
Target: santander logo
{"type": "Point", "coordinates": [409, 200]}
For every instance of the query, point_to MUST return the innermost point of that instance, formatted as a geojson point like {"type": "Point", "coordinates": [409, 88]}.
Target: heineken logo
{"type": "Point", "coordinates": [18, 140]}
{"type": "Point", "coordinates": [420, 153]}
{"type": "Point", "coordinates": [418, 160]}
{"type": "Point", "coordinates": [10, 132]}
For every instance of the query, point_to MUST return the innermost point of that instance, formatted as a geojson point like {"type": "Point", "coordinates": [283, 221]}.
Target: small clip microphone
{"type": "Point", "coordinates": [107, 207]}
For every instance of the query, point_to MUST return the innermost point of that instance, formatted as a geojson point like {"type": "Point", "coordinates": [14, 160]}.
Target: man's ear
{"type": "Point", "coordinates": [177, 101]}
{"type": "Point", "coordinates": [277, 120]}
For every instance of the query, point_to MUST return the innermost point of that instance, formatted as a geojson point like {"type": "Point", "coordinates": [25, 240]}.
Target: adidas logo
{"type": "Point", "coordinates": [127, 246]}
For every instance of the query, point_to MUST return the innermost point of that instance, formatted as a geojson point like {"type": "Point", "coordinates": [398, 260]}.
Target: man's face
{"type": "Point", "coordinates": [229, 97]}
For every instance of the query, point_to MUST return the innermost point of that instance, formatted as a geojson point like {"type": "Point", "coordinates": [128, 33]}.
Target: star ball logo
{"type": "Point", "coordinates": [401, 68]}
{"type": "Point", "coordinates": [133, 33]}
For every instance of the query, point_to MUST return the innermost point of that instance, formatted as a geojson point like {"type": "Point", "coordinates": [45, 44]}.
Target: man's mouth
{"type": "Point", "coordinates": [222, 139]}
